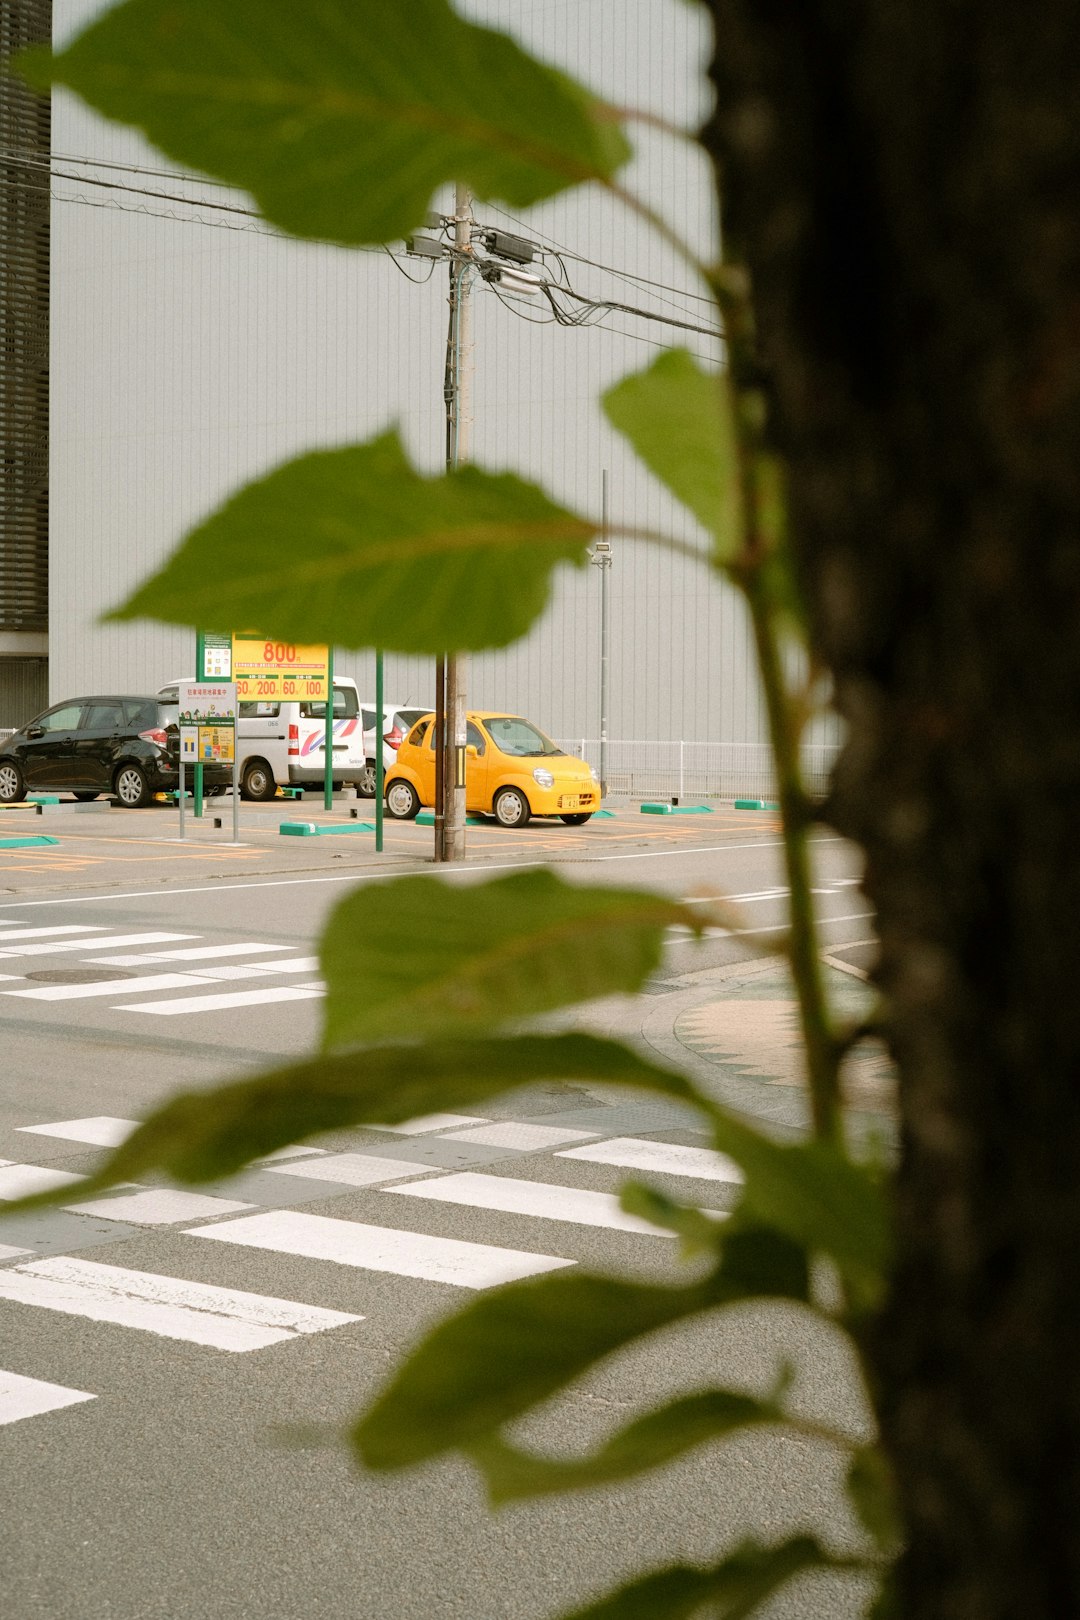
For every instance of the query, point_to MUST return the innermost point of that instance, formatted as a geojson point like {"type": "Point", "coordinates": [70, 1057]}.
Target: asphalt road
{"type": "Point", "coordinates": [154, 1475]}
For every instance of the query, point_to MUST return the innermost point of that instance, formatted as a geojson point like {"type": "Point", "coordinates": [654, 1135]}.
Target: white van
{"type": "Point", "coordinates": [284, 744]}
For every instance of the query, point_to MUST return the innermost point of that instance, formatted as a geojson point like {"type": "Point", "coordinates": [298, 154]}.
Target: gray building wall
{"type": "Point", "coordinates": [194, 351]}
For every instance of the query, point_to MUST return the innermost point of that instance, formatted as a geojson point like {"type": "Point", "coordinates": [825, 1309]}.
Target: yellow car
{"type": "Point", "coordinates": [512, 771]}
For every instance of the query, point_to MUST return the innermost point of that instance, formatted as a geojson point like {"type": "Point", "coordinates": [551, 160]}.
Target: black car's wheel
{"type": "Point", "coordinates": [365, 783]}
{"type": "Point", "coordinates": [512, 808]}
{"type": "Point", "coordinates": [579, 820]}
{"type": "Point", "coordinates": [257, 782]}
{"type": "Point", "coordinates": [84, 795]}
{"type": "Point", "coordinates": [402, 801]}
{"type": "Point", "coordinates": [12, 783]}
{"type": "Point", "coordinates": [131, 787]}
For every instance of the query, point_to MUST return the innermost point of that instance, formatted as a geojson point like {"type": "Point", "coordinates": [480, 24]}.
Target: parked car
{"type": "Point", "coordinates": [126, 746]}
{"type": "Point", "coordinates": [512, 771]}
{"type": "Point", "coordinates": [398, 721]}
{"type": "Point", "coordinates": [284, 743]}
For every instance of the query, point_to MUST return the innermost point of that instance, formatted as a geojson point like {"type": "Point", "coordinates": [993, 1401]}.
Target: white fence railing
{"type": "Point", "coordinates": [696, 770]}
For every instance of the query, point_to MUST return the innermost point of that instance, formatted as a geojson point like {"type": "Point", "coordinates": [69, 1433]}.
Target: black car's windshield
{"type": "Point", "coordinates": [519, 738]}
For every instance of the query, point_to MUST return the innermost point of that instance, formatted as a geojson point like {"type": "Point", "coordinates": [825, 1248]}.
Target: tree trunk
{"type": "Point", "coordinates": [902, 181]}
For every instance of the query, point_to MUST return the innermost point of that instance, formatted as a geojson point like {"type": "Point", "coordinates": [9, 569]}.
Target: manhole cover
{"type": "Point", "coordinates": [78, 975]}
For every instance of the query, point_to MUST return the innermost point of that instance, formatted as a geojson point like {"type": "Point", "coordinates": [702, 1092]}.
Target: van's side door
{"type": "Point", "coordinates": [263, 733]}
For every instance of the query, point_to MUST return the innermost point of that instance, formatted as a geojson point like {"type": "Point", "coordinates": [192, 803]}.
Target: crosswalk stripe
{"type": "Point", "coordinates": [665, 1158]}
{"type": "Point", "coordinates": [380, 1248]}
{"type": "Point", "coordinates": [430, 1122]}
{"type": "Point", "coordinates": [534, 1198]}
{"type": "Point", "coordinates": [237, 998]}
{"type": "Point", "coordinates": [525, 1138]}
{"type": "Point", "coordinates": [353, 1169]}
{"type": "Point", "coordinates": [29, 1397]}
{"type": "Point", "coordinates": [20, 1180]}
{"type": "Point", "coordinates": [259, 970]}
{"type": "Point", "coordinates": [53, 949]}
{"type": "Point", "coordinates": [46, 933]}
{"type": "Point", "coordinates": [102, 1130]}
{"type": "Point", "coordinates": [106, 987]}
{"type": "Point", "coordinates": [157, 1206]}
{"type": "Point", "coordinates": [193, 953]}
{"type": "Point", "coordinates": [198, 1313]}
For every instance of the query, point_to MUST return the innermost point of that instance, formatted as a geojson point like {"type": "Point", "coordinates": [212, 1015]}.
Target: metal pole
{"type": "Point", "coordinates": [328, 734]}
{"type": "Point", "coordinates": [440, 754]}
{"type": "Point", "coordinates": [200, 675]}
{"type": "Point", "coordinates": [236, 775]}
{"type": "Point", "coordinates": [378, 751]}
{"type": "Point", "coordinates": [182, 789]}
{"type": "Point", "coordinates": [459, 425]}
{"type": "Point", "coordinates": [605, 643]}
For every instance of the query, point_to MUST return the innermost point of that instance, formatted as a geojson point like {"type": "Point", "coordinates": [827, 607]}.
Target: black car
{"type": "Point", "coordinates": [126, 746]}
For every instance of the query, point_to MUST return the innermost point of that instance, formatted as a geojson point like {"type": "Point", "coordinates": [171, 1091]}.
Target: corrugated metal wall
{"type": "Point", "coordinates": [188, 357]}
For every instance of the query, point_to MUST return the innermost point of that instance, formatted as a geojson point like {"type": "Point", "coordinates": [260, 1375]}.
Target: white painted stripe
{"type": "Point", "coordinates": [68, 928]}
{"type": "Point", "coordinates": [525, 1138]}
{"type": "Point", "coordinates": [259, 970]}
{"type": "Point", "coordinates": [29, 1397]}
{"type": "Point", "coordinates": [102, 1130]}
{"type": "Point", "coordinates": [8, 1253]}
{"type": "Point", "coordinates": [236, 998]}
{"type": "Point", "coordinates": [106, 987]}
{"type": "Point", "coordinates": [664, 1158]}
{"type": "Point", "coordinates": [199, 1313]}
{"type": "Point", "coordinates": [80, 944]}
{"type": "Point", "coordinates": [430, 1122]}
{"type": "Point", "coordinates": [354, 1169]}
{"type": "Point", "coordinates": [20, 1180]}
{"type": "Point", "coordinates": [194, 953]}
{"type": "Point", "coordinates": [534, 1198]}
{"type": "Point", "coordinates": [158, 1206]}
{"type": "Point", "coordinates": [290, 1153]}
{"type": "Point", "coordinates": [378, 1248]}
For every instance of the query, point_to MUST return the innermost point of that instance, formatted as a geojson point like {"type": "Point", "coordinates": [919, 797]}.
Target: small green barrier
{"type": "Point", "coordinates": [676, 809]}
{"type": "Point", "coordinates": [426, 818]}
{"type": "Point", "coordinates": [309, 829]}
{"type": "Point", "coordinates": [29, 842]}
{"type": "Point", "coordinates": [43, 798]}
{"type": "Point", "coordinates": [755, 804]}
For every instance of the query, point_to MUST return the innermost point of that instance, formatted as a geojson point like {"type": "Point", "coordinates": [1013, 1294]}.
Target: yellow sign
{"type": "Point", "coordinates": [277, 669]}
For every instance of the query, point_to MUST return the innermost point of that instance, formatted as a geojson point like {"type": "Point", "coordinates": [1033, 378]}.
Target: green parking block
{"type": "Point", "coordinates": [426, 818]}
{"type": "Point", "coordinates": [309, 829]}
{"type": "Point", "coordinates": [27, 843]}
{"type": "Point", "coordinates": [43, 798]}
{"type": "Point", "coordinates": [755, 804]}
{"type": "Point", "coordinates": [598, 813]}
{"type": "Point", "coordinates": [676, 809]}
{"type": "Point", "coordinates": [290, 793]}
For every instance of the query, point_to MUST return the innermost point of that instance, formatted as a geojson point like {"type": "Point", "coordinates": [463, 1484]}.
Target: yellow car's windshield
{"type": "Point", "coordinates": [519, 738]}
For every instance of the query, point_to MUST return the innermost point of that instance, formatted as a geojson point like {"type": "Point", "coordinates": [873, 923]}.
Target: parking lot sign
{"type": "Point", "coordinates": [266, 669]}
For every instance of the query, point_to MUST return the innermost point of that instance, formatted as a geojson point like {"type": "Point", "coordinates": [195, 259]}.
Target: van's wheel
{"type": "Point", "coordinates": [12, 785]}
{"type": "Point", "coordinates": [511, 808]}
{"type": "Point", "coordinates": [579, 820]}
{"type": "Point", "coordinates": [131, 787]}
{"type": "Point", "coordinates": [402, 801]}
{"type": "Point", "coordinates": [365, 782]}
{"type": "Point", "coordinates": [257, 781]}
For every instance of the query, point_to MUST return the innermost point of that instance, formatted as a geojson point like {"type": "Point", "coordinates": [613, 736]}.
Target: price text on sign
{"type": "Point", "coordinates": [277, 669]}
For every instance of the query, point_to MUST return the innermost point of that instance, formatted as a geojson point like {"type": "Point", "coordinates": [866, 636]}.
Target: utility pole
{"type": "Point", "coordinates": [450, 738]}
{"type": "Point", "coordinates": [601, 558]}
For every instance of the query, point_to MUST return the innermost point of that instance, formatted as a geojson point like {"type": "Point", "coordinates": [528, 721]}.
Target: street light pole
{"type": "Point", "coordinates": [450, 827]}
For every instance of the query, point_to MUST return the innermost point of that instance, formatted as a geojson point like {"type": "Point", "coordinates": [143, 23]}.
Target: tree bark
{"type": "Point", "coordinates": [902, 182]}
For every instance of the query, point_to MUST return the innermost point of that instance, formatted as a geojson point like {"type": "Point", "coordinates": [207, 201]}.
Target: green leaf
{"type": "Point", "coordinates": [871, 1492]}
{"type": "Point", "coordinates": [203, 1135]}
{"type": "Point", "coordinates": [732, 1589]}
{"type": "Point", "coordinates": [650, 1442]}
{"type": "Point", "coordinates": [519, 1344]}
{"type": "Point", "coordinates": [700, 1233]}
{"type": "Point", "coordinates": [355, 548]}
{"type": "Point", "coordinates": [427, 956]}
{"type": "Point", "coordinates": [679, 419]}
{"type": "Point", "coordinates": [341, 120]}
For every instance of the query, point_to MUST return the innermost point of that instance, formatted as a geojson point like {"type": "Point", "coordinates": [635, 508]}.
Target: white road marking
{"type": "Point", "coordinates": [665, 1158]}
{"type": "Point", "coordinates": [353, 1169]}
{"type": "Point", "coordinates": [235, 998]}
{"type": "Point", "coordinates": [224, 1318]}
{"type": "Point", "coordinates": [102, 1130]}
{"type": "Point", "coordinates": [158, 1206]}
{"type": "Point", "coordinates": [8, 1253]}
{"type": "Point", "coordinates": [103, 944]}
{"type": "Point", "coordinates": [68, 928]}
{"type": "Point", "coordinates": [290, 1153]}
{"type": "Point", "coordinates": [259, 970]}
{"type": "Point", "coordinates": [194, 953]}
{"type": "Point", "coordinates": [533, 1198]}
{"type": "Point", "coordinates": [29, 1397]}
{"type": "Point", "coordinates": [525, 1138]}
{"type": "Point", "coordinates": [106, 987]}
{"type": "Point", "coordinates": [20, 1180]}
{"type": "Point", "coordinates": [379, 1248]}
{"type": "Point", "coordinates": [430, 1122]}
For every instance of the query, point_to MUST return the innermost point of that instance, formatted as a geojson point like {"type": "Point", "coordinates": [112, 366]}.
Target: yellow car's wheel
{"type": "Point", "coordinates": [579, 820]}
{"type": "Point", "coordinates": [511, 807]}
{"type": "Point", "coordinates": [402, 801]}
